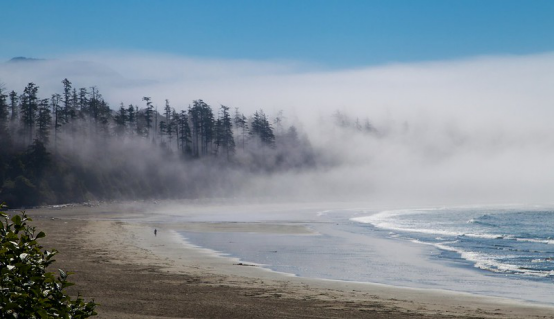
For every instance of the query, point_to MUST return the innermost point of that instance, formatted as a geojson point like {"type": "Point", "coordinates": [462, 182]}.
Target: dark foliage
{"type": "Point", "coordinates": [27, 290]}
{"type": "Point", "coordinates": [73, 148]}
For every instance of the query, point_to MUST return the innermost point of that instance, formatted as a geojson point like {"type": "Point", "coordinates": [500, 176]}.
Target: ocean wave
{"type": "Point", "coordinates": [490, 263]}
{"type": "Point", "coordinates": [482, 223]}
{"type": "Point", "coordinates": [381, 222]}
{"type": "Point", "coordinates": [536, 240]}
{"type": "Point", "coordinates": [477, 244]}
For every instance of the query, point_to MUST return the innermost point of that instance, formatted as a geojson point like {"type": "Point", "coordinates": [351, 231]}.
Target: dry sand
{"type": "Point", "coordinates": [133, 274]}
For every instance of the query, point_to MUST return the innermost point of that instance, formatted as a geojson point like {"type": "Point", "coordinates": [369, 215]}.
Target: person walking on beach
{"type": "Point", "coordinates": [155, 232]}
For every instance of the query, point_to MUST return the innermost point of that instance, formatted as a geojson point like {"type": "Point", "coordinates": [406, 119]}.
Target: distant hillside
{"type": "Point", "coordinates": [23, 59]}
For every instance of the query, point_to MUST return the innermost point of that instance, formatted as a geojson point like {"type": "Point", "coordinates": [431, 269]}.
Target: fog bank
{"type": "Point", "coordinates": [448, 132]}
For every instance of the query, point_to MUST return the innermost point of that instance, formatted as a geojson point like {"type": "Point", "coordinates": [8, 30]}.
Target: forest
{"type": "Point", "coordinates": [72, 147]}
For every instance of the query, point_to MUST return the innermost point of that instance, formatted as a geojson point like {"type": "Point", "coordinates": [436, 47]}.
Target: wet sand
{"type": "Point", "coordinates": [133, 274]}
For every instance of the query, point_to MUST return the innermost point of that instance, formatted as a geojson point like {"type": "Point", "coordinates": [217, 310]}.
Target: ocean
{"type": "Point", "coordinates": [515, 242]}
{"type": "Point", "coordinates": [503, 252]}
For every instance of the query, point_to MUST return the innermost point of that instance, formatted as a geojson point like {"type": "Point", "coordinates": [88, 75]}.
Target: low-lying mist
{"type": "Point", "coordinates": [475, 131]}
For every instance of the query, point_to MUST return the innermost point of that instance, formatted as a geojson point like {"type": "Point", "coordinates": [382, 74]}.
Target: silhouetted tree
{"type": "Point", "coordinates": [224, 129]}
{"type": "Point", "coordinates": [132, 119]}
{"type": "Point", "coordinates": [14, 116]}
{"type": "Point", "coordinates": [68, 113]}
{"type": "Point", "coordinates": [44, 120]}
{"type": "Point", "coordinates": [185, 134]}
{"type": "Point", "coordinates": [241, 123]}
{"type": "Point", "coordinates": [4, 120]}
{"type": "Point", "coordinates": [29, 107]}
{"type": "Point", "coordinates": [262, 130]}
{"type": "Point", "coordinates": [203, 123]}
{"type": "Point", "coordinates": [121, 119]}
{"type": "Point", "coordinates": [56, 112]}
{"type": "Point", "coordinates": [148, 115]}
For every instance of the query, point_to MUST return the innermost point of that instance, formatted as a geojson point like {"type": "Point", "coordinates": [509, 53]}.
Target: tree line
{"type": "Point", "coordinates": [62, 148]}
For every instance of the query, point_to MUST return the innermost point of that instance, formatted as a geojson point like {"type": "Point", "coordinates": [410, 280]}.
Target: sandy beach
{"type": "Point", "coordinates": [131, 273]}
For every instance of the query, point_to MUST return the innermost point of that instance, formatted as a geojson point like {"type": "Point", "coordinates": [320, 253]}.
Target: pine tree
{"type": "Point", "coordinates": [224, 129]}
{"type": "Point", "coordinates": [194, 115]}
{"type": "Point", "coordinates": [75, 103]}
{"type": "Point", "coordinates": [121, 119]}
{"type": "Point", "coordinates": [68, 113]}
{"type": "Point", "coordinates": [44, 120]}
{"type": "Point", "coordinates": [93, 107]}
{"type": "Point", "coordinates": [185, 134]}
{"type": "Point", "coordinates": [368, 128]}
{"type": "Point", "coordinates": [148, 114]}
{"type": "Point", "coordinates": [83, 102]}
{"type": "Point", "coordinates": [14, 112]}
{"type": "Point", "coordinates": [175, 126]}
{"type": "Point", "coordinates": [29, 108]}
{"type": "Point", "coordinates": [241, 123]}
{"type": "Point", "coordinates": [57, 113]}
{"type": "Point", "coordinates": [208, 125]}
{"type": "Point", "coordinates": [168, 123]}
{"type": "Point", "coordinates": [203, 125]}
{"type": "Point", "coordinates": [104, 116]}
{"type": "Point", "coordinates": [4, 121]}
{"type": "Point", "coordinates": [163, 133]}
{"type": "Point", "coordinates": [262, 130]}
{"type": "Point", "coordinates": [132, 119]}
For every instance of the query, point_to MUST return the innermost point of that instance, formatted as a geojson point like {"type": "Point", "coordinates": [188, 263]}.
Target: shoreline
{"type": "Point", "coordinates": [224, 265]}
{"type": "Point", "coordinates": [128, 243]}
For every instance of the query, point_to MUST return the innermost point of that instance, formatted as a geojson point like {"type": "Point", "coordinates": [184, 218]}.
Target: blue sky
{"type": "Point", "coordinates": [327, 33]}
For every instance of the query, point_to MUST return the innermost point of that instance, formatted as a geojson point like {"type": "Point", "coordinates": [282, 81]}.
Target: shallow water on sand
{"type": "Point", "coordinates": [435, 249]}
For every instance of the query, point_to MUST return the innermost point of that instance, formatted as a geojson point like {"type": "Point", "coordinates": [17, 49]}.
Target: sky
{"type": "Point", "coordinates": [325, 34]}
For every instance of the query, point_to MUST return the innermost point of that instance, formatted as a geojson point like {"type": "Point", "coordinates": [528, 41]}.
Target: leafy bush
{"type": "Point", "coordinates": [27, 290]}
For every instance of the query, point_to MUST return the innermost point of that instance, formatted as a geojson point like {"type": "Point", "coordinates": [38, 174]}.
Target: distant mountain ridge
{"type": "Point", "coordinates": [19, 59]}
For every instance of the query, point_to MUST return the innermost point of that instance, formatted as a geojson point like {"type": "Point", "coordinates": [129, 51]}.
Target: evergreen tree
{"type": "Point", "coordinates": [208, 125]}
{"type": "Point", "coordinates": [203, 125]}
{"type": "Point", "coordinates": [14, 112]}
{"type": "Point", "coordinates": [174, 127]}
{"type": "Point", "coordinates": [224, 129]}
{"type": "Point", "coordinates": [5, 138]}
{"type": "Point", "coordinates": [132, 119]}
{"type": "Point", "coordinates": [94, 107]}
{"type": "Point", "coordinates": [185, 134]}
{"type": "Point", "coordinates": [163, 133]}
{"type": "Point", "coordinates": [29, 108]}
{"type": "Point", "coordinates": [44, 120]}
{"type": "Point", "coordinates": [121, 119]}
{"type": "Point", "coordinates": [241, 123]}
{"type": "Point", "coordinates": [75, 103]}
{"type": "Point", "coordinates": [104, 116]}
{"type": "Point", "coordinates": [368, 128]}
{"type": "Point", "coordinates": [68, 113]}
{"type": "Point", "coordinates": [83, 101]}
{"type": "Point", "coordinates": [196, 125]}
{"type": "Point", "coordinates": [57, 112]}
{"type": "Point", "coordinates": [148, 115]}
{"type": "Point", "coordinates": [262, 130]}
{"type": "Point", "coordinates": [168, 123]}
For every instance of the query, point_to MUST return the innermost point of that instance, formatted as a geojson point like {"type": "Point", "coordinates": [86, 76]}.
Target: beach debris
{"type": "Point", "coordinates": [243, 264]}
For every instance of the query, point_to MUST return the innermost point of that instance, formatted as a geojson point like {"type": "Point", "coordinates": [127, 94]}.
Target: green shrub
{"type": "Point", "coordinates": [27, 290]}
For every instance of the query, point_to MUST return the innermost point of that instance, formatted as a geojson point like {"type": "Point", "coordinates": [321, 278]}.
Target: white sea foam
{"type": "Point", "coordinates": [385, 220]}
{"type": "Point", "coordinates": [392, 221]}
{"type": "Point", "coordinates": [534, 240]}
{"type": "Point", "coordinates": [487, 262]}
